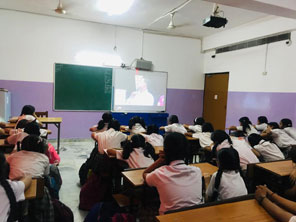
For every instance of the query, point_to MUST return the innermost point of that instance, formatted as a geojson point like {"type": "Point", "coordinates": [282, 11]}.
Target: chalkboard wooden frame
{"type": "Point", "coordinates": [82, 88]}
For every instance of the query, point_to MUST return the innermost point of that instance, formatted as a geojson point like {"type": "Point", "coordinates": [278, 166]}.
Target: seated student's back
{"type": "Point", "coordinates": [174, 125]}
{"type": "Point", "coordinates": [197, 127]}
{"type": "Point", "coordinates": [111, 138]}
{"type": "Point", "coordinates": [103, 123]}
{"type": "Point", "coordinates": [204, 137]}
{"type": "Point", "coordinates": [261, 123]}
{"type": "Point", "coordinates": [136, 152]}
{"type": "Point", "coordinates": [228, 181]}
{"type": "Point", "coordinates": [286, 125]}
{"type": "Point", "coordinates": [178, 184]}
{"type": "Point", "coordinates": [31, 160]}
{"type": "Point", "coordinates": [152, 136]}
{"type": "Point", "coordinates": [136, 125]}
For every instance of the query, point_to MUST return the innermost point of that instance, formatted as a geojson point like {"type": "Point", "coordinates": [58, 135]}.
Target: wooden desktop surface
{"type": "Point", "coordinates": [241, 211]}
{"type": "Point", "coordinates": [50, 119]}
{"type": "Point", "coordinates": [280, 168]}
{"type": "Point", "coordinates": [135, 177]}
{"type": "Point", "coordinates": [2, 142]}
{"type": "Point", "coordinates": [31, 192]}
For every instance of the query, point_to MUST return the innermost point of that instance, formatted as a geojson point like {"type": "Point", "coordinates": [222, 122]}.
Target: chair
{"type": "Point", "coordinates": [44, 125]}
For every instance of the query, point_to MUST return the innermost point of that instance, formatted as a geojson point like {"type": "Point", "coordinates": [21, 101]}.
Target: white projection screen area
{"type": "Point", "coordinates": [139, 91]}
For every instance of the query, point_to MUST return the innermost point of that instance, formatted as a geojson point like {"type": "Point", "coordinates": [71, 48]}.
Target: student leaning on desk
{"type": "Point", "coordinates": [11, 192]}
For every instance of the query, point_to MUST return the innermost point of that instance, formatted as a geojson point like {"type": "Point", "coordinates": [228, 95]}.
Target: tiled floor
{"type": "Point", "coordinates": [73, 153]}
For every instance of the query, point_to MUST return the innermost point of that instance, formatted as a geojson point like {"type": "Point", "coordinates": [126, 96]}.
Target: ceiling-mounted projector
{"type": "Point", "coordinates": [215, 22]}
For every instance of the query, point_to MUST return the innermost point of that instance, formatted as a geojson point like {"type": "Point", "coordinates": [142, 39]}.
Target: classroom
{"type": "Point", "coordinates": [255, 49]}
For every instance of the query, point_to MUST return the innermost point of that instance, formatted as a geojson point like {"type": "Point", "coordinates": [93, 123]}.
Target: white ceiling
{"type": "Point", "coordinates": [143, 12]}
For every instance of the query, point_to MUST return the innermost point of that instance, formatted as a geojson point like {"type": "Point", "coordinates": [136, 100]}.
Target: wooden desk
{"type": "Point", "coordinates": [158, 149]}
{"type": "Point", "coordinates": [2, 142]}
{"type": "Point", "coordinates": [241, 211]}
{"type": "Point", "coordinates": [35, 190]}
{"type": "Point", "coordinates": [135, 177]}
{"type": "Point", "coordinates": [279, 168]}
{"type": "Point", "coordinates": [57, 122]}
{"type": "Point", "coordinates": [10, 125]}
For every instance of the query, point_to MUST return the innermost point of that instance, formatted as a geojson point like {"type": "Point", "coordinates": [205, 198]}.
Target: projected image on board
{"type": "Point", "coordinates": [139, 90]}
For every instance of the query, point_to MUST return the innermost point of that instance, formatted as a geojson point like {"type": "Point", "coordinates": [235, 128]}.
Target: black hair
{"type": "Point", "coordinates": [292, 153]}
{"type": "Point", "coordinates": [136, 119]}
{"type": "Point", "coordinates": [173, 119]}
{"type": "Point", "coordinates": [114, 124]}
{"type": "Point", "coordinates": [21, 124]}
{"type": "Point", "coordinates": [32, 128]}
{"type": "Point", "coordinates": [207, 128]}
{"type": "Point", "coordinates": [4, 171]}
{"type": "Point", "coordinates": [228, 159]}
{"type": "Point", "coordinates": [34, 143]}
{"type": "Point", "coordinates": [199, 121]}
{"type": "Point", "coordinates": [218, 137]}
{"type": "Point", "coordinates": [138, 141]}
{"type": "Point", "coordinates": [254, 139]}
{"type": "Point", "coordinates": [152, 129]}
{"type": "Point", "coordinates": [106, 118]}
{"type": "Point", "coordinates": [175, 147]}
{"type": "Point", "coordinates": [286, 123]}
{"type": "Point", "coordinates": [245, 122]}
{"type": "Point", "coordinates": [28, 110]}
{"type": "Point", "coordinates": [274, 125]}
{"type": "Point", "coordinates": [262, 119]}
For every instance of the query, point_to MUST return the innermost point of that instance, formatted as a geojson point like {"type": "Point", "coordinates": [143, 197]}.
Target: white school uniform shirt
{"type": "Point", "coordinates": [18, 188]}
{"type": "Point", "coordinates": [291, 131]}
{"type": "Point", "coordinates": [292, 219]}
{"type": "Point", "coordinates": [154, 139]}
{"type": "Point", "coordinates": [261, 127]}
{"type": "Point", "coordinates": [231, 185]}
{"type": "Point", "coordinates": [109, 139]}
{"type": "Point", "coordinates": [269, 151]}
{"type": "Point", "coordinates": [195, 128]}
{"type": "Point", "coordinates": [178, 185]}
{"type": "Point", "coordinates": [175, 127]}
{"type": "Point", "coordinates": [249, 131]}
{"type": "Point", "coordinates": [137, 128]}
{"type": "Point", "coordinates": [244, 150]}
{"type": "Point", "coordinates": [24, 163]}
{"type": "Point", "coordinates": [204, 139]}
{"type": "Point", "coordinates": [18, 137]}
{"type": "Point", "coordinates": [137, 159]}
{"type": "Point", "coordinates": [282, 139]}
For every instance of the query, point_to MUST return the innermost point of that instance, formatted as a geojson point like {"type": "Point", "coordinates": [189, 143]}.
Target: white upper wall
{"type": "Point", "coordinates": [247, 65]}
{"type": "Point", "coordinates": [30, 45]}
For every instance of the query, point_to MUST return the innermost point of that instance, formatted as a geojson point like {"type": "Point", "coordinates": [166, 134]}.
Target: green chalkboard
{"type": "Point", "coordinates": [82, 87]}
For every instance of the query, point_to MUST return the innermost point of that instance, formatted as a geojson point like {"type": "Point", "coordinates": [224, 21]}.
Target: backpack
{"type": "Point", "coordinates": [62, 213]}
{"type": "Point", "coordinates": [123, 217]}
{"type": "Point", "coordinates": [102, 212]}
{"type": "Point", "coordinates": [53, 181]}
{"type": "Point", "coordinates": [96, 189]}
{"type": "Point", "coordinates": [87, 166]}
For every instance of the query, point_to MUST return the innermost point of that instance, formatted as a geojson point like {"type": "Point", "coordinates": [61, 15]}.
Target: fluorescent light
{"type": "Point", "coordinates": [114, 7]}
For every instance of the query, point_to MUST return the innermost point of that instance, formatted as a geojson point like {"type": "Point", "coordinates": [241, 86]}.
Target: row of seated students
{"type": "Point", "coordinates": [32, 157]}
{"type": "Point", "coordinates": [170, 173]}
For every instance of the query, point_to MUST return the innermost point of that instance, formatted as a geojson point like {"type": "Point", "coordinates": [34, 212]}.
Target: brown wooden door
{"type": "Point", "coordinates": [215, 99]}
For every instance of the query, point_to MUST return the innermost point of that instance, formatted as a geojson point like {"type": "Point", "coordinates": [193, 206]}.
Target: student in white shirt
{"type": "Point", "coordinates": [262, 123]}
{"type": "Point", "coordinates": [205, 136]}
{"type": "Point", "coordinates": [112, 138]}
{"type": "Point", "coordinates": [228, 181]}
{"type": "Point", "coordinates": [31, 160]}
{"type": "Point", "coordinates": [174, 126]}
{"type": "Point", "coordinates": [136, 125]}
{"type": "Point", "coordinates": [269, 151]}
{"type": "Point", "coordinates": [279, 137]}
{"type": "Point", "coordinates": [197, 127]}
{"type": "Point", "coordinates": [286, 125]}
{"type": "Point", "coordinates": [103, 123]}
{"type": "Point", "coordinates": [11, 192]}
{"type": "Point", "coordinates": [178, 184]}
{"type": "Point", "coordinates": [222, 140]}
{"type": "Point", "coordinates": [152, 136]}
{"type": "Point", "coordinates": [245, 127]}
{"type": "Point", "coordinates": [136, 152]}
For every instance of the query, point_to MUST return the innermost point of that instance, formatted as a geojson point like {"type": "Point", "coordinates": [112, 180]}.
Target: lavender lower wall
{"type": "Point", "coordinates": [187, 104]}
{"type": "Point", "coordinates": [253, 104]}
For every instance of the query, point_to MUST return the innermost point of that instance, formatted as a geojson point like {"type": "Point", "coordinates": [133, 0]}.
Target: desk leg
{"type": "Point", "coordinates": [58, 125]}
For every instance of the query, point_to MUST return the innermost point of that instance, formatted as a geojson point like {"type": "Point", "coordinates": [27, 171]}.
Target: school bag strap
{"type": "Point", "coordinates": [13, 214]}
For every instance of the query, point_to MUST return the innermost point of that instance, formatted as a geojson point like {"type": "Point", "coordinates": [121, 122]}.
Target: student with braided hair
{"type": "Point", "coordinates": [228, 181]}
{"type": "Point", "coordinates": [11, 192]}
